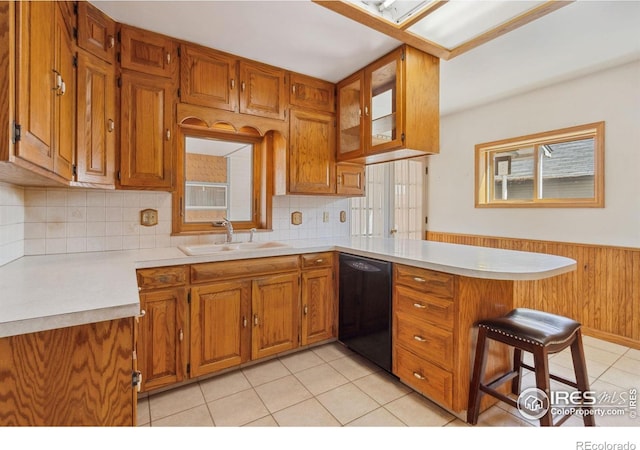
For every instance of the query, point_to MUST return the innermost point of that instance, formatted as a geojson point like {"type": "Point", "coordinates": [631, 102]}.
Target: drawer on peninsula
{"type": "Point", "coordinates": [162, 277]}
{"type": "Point", "coordinates": [426, 378]}
{"type": "Point", "coordinates": [426, 341]}
{"type": "Point", "coordinates": [425, 307]}
{"type": "Point", "coordinates": [423, 280]}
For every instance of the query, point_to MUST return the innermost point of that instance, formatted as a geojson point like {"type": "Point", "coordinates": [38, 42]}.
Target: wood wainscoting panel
{"type": "Point", "coordinates": [603, 293]}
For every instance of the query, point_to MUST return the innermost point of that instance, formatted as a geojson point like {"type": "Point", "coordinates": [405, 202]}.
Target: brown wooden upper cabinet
{"type": "Point", "coordinates": [262, 90]}
{"type": "Point", "coordinates": [148, 52]}
{"type": "Point", "coordinates": [390, 109]}
{"type": "Point", "coordinates": [312, 153]}
{"type": "Point", "coordinates": [219, 80]}
{"type": "Point", "coordinates": [96, 113]}
{"type": "Point", "coordinates": [312, 93]}
{"type": "Point", "coordinates": [45, 103]}
{"type": "Point", "coordinates": [208, 78]}
{"type": "Point", "coordinates": [96, 32]}
{"type": "Point", "coordinates": [146, 137]}
{"type": "Point", "coordinates": [148, 84]}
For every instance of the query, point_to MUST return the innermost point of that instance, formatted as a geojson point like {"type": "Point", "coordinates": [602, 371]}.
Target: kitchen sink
{"type": "Point", "coordinates": [207, 249]}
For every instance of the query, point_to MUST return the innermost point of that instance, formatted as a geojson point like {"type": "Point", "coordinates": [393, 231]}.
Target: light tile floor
{"type": "Point", "coordinates": [331, 386]}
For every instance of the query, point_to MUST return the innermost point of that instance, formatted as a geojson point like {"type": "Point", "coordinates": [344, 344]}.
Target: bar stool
{"type": "Point", "coordinates": [542, 334]}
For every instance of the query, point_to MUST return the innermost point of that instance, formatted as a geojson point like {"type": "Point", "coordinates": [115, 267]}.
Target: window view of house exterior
{"type": "Point", "coordinates": [562, 167]}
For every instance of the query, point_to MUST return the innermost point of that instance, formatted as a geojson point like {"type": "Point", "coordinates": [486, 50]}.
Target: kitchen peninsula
{"type": "Point", "coordinates": [59, 292]}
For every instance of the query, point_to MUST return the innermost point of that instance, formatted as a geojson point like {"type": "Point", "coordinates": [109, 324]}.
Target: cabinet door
{"type": "Point", "coordinates": [350, 122]}
{"type": "Point", "coordinates": [161, 338]}
{"type": "Point", "coordinates": [96, 109]}
{"type": "Point", "coordinates": [262, 90]}
{"type": "Point", "coordinates": [65, 101]}
{"type": "Point", "coordinates": [311, 153]}
{"type": "Point", "coordinates": [146, 133]}
{"type": "Point", "coordinates": [148, 52]}
{"type": "Point", "coordinates": [274, 302]}
{"type": "Point", "coordinates": [312, 93]}
{"type": "Point", "coordinates": [220, 326]}
{"type": "Point", "coordinates": [73, 376]}
{"type": "Point", "coordinates": [318, 305]}
{"type": "Point", "coordinates": [96, 32]}
{"type": "Point", "coordinates": [36, 80]}
{"type": "Point", "coordinates": [350, 179]}
{"type": "Point", "coordinates": [208, 78]}
{"type": "Point", "coordinates": [383, 112]}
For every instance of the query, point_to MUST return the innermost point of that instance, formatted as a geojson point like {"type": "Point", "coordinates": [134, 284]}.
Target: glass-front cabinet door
{"type": "Point", "coordinates": [350, 114]}
{"type": "Point", "coordinates": [383, 112]}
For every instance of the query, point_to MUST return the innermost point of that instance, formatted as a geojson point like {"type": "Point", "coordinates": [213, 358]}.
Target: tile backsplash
{"type": "Point", "coordinates": [50, 220]}
{"type": "Point", "coordinates": [11, 222]}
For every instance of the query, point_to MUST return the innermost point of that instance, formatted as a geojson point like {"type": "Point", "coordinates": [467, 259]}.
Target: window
{"type": "Point", "coordinates": [394, 201]}
{"type": "Point", "coordinates": [558, 168]}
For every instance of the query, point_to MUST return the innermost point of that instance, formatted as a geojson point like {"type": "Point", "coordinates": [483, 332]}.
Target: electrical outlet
{"type": "Point", "coordinates": [343, 216]}
{"type": "Point", "coordinates": [325, 216]}
{"type": "Point", "coordinates": [296, 218]}
{"type": "Point", "coordinates": [148, 217]}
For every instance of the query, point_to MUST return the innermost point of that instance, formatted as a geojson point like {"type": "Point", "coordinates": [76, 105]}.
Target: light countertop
{"type": "Point", "coordinates": [53, 291]}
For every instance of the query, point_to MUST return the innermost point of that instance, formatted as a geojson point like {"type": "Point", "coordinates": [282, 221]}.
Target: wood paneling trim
{"type": "Point", "coordinates": [603, 293]}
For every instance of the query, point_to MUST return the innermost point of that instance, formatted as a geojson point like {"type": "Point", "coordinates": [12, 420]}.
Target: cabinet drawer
{"type": "Point", "coordinates": [204, 272]}
{"type": "Point", "coordinates": [432, 381]}
{"type": "Point", "coordinates": [423, 280]}
{"type": "Point", "coordinates": [160, 277]}
{"type": "Point", "coordinates": [425, 340]}
{"type": "Point", "coordinates": [423, 306]}
{"type": "Point", "coordinates": [317, 260]}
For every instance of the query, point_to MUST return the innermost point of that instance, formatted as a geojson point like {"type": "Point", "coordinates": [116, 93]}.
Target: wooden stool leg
{"type": "Point", "coordinates": [517, 362]}
{"type": "Point", "coordinates": [582, 380]}
{"type": "Point", "coordinates": [473, 409]}
{"type": "Point", "coordinates": [541, 363]}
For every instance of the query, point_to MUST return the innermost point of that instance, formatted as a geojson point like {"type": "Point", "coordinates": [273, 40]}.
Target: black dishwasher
{"type": "Point", "coordinates": [365, 308]}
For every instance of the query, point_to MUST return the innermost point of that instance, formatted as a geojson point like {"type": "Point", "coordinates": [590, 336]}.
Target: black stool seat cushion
{"type": "Point", "coordinates": [535, 327]}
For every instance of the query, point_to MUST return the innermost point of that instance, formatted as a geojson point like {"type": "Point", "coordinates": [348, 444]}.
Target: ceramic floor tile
{"type": "Point", "coordinates": [382, 387]}
{"type": "Point", "coordinates": [195, 417]}
{"type": "Point", "coordinates": [267, 421]}
{"type": "Point", "coordinates": [457, 423]}
{"type": "Point", "coordinates": [595, 367]}
{"type": "Point", "coordinates": [347, 403]}
{"type": "Point", "coordinates": [595, 354]}
{"type": "Point", "coordinates": [224, 385]}
{"type": "Point", "coordinates": [144, 415]}
{"type": "Point", "coordinates": [283, 392]}
{"type": "Point", "coordinates": [604, 345]}
{"type": "Point", "coordinates": [354, 367]}
{"type": "Point", "coordinates": [330, 352]}
{"type": "Point", "coordinates": [633, 354]}
{"type": "Point", "coordinates": [621, 378]}
{"type": "Point", "coordinates": [176, 400]}
{"type": "Point", "coordinates": [309, 413]}
{"type": "Point", "coordinates": [265, 372]}
{"type": "Point", "coordinates": [238, 409]}
{"type": "Point", "coordinates": [301, 361]}
{"type": "Point", "coordinates": [628, 365]}
{"type": "Point", "coordinates": [321, 378]}
{"type": "Point", "coordinates": [378, 418]}
{"type": "Point", "coordinates": [416, 411]}
{"type": "Point", "coordinates": [498, 417]}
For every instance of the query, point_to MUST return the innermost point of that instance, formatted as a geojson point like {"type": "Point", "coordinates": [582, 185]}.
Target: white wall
{"type": "Point", "coordinates": [612, 96]}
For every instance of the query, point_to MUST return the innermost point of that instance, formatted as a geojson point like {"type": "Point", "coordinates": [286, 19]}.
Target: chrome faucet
{"type": "Point", "coordinates": [251, 232]}
{"type": "Point", "coordinates": [226, 223]}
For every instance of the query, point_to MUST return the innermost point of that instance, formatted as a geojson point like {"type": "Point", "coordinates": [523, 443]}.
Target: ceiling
{"type": "Point", "coordinates": [302, 36]}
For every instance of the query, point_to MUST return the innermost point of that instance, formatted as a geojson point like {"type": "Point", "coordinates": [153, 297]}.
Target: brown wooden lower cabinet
{"type": "Point", "coordinates": [239, 311]}
{"type": "Point", "coordinates": [74, 376]}
{"type": "Point", "coordinates": [433, 331]}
